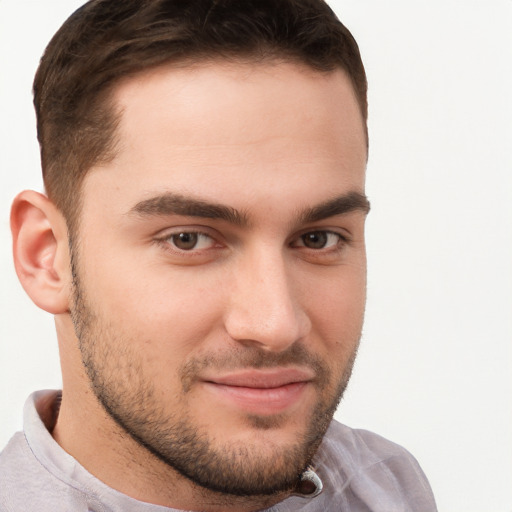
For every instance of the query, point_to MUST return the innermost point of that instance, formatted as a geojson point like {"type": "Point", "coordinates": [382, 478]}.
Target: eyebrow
{"type": "Point", "coordinates": [346, 203]}
{"type": "Point", "coordinates": [176, 204]}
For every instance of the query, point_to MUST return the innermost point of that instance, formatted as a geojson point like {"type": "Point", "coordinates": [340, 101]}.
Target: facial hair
{"type": "Point", "coordinates": [122, 385]}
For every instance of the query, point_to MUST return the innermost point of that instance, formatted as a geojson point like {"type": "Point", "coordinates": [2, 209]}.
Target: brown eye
{"type": "Point", "coordinates": [185, 241]}
{"type": "Point", "coordinates": [315, 239]}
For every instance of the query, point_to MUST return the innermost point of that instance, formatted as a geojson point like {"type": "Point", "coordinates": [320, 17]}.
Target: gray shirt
{"type": "Point", "coordinates": [359, 472]}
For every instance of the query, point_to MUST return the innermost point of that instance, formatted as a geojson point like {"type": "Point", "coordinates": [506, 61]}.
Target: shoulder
{"type": "Point", "coordinates": [372, 470]}
{"type": "Point", "coordinates": [362, 447]}
{"type": "Point", "coordinates": [27, 485]}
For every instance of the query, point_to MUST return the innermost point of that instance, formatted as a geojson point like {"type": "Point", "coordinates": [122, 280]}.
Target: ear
{"type": "Point", "coordinates": [40, 249]}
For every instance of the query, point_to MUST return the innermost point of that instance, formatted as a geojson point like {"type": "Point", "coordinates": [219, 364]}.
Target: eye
{"type": "Point", "coordinates": [320, 240]}
{"type": "Point", "coordinates": [190, 240]}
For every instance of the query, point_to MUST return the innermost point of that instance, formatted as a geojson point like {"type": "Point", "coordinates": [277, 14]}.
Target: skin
{"type": "Point", "coordinates": [245, 336]}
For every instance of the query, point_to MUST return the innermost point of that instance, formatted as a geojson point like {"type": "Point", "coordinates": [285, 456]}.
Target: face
{"type": "Point", "coordinates": [220, 268]}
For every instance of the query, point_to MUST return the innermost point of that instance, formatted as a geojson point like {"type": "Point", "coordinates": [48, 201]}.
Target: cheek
{"type": "Point", "coordinates": [168, 312]}
{"type": "Point", "coordinates": [158, 322]}
{"type": "Point", "coordinates": [337, 301]}
{"type": "Point", "coordinates": [336, 311]}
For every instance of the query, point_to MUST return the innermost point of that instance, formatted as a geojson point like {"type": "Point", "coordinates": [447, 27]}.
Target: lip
{"type": "Point", "coordinates": [264, 392]}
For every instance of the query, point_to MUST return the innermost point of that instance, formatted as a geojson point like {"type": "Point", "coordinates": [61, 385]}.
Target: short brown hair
{"type": "Point", "coordinates": [106, 40]}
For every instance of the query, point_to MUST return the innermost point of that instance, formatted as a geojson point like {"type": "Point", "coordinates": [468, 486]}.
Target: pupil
{"type": "Point", "coordinates": [185, 241]}
{"type": "Point", "coordinates": [315, 240]}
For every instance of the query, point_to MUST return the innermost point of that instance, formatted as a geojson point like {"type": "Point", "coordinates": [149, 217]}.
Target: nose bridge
{"type": "Point", "coordinates": [265, 308]}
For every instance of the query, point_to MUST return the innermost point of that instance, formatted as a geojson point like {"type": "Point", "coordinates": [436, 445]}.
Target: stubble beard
{"type": "Point", "coordinates": [117, 378]}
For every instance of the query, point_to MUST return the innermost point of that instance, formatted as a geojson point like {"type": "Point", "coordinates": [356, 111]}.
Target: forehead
{"type": "Point", "coordinates": [235, 128]}
{"type": "Point", "coordinates": [244, 97]}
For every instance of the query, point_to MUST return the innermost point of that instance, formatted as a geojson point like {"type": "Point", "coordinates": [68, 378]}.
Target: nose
{"type": "Point", "coordinates": [265, 305]}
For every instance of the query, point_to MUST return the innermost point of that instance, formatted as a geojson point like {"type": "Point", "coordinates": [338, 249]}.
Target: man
{"type": "Point", "coordinates": [201, 246]}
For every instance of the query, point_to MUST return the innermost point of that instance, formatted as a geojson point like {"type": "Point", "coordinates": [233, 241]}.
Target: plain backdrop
{"type": "Point", "coordinates": [434, 371]}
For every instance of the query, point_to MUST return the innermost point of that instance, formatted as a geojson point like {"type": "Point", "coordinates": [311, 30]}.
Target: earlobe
{"type": "Point", "coordinates": [40, 250]}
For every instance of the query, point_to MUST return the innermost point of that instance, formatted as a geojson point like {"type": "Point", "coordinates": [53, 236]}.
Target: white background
{"type": "Point", "coordinates": [435, 367]}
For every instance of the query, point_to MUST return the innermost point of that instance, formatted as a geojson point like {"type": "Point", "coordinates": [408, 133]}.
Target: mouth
{"type": "Point", "coordinates": [263, 392]}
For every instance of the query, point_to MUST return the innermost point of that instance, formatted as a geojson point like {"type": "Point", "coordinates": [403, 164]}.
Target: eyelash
{"type": "Point", "coordinates": [167, 241]}
{"type": "Point", "coordinates": [298, 242]}
{"type": "Point", "coordinates": [342, 240]}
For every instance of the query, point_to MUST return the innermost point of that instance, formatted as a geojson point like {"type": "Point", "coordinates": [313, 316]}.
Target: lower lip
{"type": "Point", "coordinates": [266, 401]}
